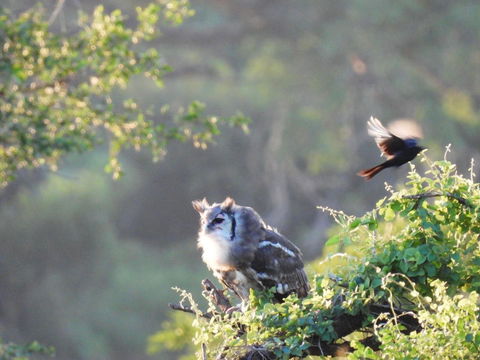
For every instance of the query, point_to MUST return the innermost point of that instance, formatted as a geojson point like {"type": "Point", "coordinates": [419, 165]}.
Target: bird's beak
{"type": "Point", "coordinates": [211, 227]}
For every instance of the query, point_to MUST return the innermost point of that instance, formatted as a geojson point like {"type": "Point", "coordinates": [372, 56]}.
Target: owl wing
{"type": "Point", "coordinates": [278, 263]}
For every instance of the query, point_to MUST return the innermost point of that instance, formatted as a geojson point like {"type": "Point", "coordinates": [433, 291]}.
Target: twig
{"type": "Point", "coordinates": [420, 196]}
{"type": "Point", "coordinates": [56, 11]}
{"type": "Point", "coordinates": [180, 307]}
{"type": "Point", "coordinates": [405, 317]}
{"type": "Point", "coordinates": [258, 353]}
{"type": "Point", "coordinates": [214, 294]}
{"type": "Point", "coordinates": [39, 86]}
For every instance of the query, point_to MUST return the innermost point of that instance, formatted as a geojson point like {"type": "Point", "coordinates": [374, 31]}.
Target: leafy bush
{"type": "Point", "coordinates": [9, 351]}
{"type": "Point", "coordinates": [420, 257]}
{"type": "Point", "coordinates": [450, 330]}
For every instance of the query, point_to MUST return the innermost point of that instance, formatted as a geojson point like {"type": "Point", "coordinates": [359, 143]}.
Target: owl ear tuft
{"type": "Point", "coordinates": [200, 205]}
{"type": "Point", "coordinates": [228, 203]}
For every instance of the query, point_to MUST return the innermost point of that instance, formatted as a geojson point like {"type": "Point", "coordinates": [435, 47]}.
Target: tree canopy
{"type": "Point", "coordinates": [62, 93]}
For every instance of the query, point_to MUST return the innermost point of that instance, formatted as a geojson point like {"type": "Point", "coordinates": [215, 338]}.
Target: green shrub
{"type": "Point", "coordinates": [419, 256]}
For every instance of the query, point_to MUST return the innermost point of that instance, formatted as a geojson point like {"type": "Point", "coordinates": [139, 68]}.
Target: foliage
{"type": "Point", "coordinates": [9, 351]}
{"type": "Point", "coordinates": [64, 93]}
{"type": "Point", "coordinates": [451, 330]}
{"type": "Point", "coordinates": [420, 256]}
{"type": "Point", "coordinates": [176, 334]}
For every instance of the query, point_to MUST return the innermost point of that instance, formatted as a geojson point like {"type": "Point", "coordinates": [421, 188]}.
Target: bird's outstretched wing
{"type": "Point", "coordinates": [398, 149]}
{"type": "Point", "coordinates": [278, 263]}
{"type": "Point", "coordinates": [388, 143]}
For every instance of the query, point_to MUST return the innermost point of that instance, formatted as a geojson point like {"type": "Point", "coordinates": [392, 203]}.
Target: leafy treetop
{"type": "Point", "coordinates": [64, 93]}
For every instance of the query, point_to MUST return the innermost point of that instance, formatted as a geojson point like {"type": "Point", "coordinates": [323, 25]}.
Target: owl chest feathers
{"type": "Point", "coordinates": [216, 252]}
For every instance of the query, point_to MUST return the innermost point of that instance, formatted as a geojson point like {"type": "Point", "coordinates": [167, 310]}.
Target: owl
{"type": "Point", "coordinates": [244, 253]}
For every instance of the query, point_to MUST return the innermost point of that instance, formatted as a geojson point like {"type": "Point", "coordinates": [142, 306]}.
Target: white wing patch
{"type": "Point", "coordinates": [377, 130]}
{"type": "Point", "coordinates": [264, 276]}
{"type": "Point", "coordinates": [287, 251]}
{"type": "Point", "coordinates": [282, 288]}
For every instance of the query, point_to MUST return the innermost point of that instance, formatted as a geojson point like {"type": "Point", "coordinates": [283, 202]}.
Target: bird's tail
{"type": "Point", "coordinates": [369, 173]}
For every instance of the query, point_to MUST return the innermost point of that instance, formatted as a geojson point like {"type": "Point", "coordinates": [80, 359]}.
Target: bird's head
{"type": "Point", "coordinates": [412, 144]}
{"type": "Point", "coordinates": [217, 219]}
{"type": "Point", "coordinates": [418, 149]}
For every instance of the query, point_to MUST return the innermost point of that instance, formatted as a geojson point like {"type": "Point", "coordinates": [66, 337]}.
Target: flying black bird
{"type": "Point", "coordinates": [398, 150]}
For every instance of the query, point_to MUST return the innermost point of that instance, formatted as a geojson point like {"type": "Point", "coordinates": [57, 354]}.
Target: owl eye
{"type": "Point", "coordinates": [218, 220]}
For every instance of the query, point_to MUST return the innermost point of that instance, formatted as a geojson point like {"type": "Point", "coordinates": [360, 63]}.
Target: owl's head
{"type": "Point", "coordinates": [217, 219]}
{"type": "Point", "coordinates": [229, 233]}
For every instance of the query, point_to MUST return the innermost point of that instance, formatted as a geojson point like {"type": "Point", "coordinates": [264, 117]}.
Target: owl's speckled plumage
{"type": "Point", "coordinates": [244, 253]}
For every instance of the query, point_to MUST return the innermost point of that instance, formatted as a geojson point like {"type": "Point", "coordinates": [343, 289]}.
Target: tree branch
{"type": "Point", "coordinates": [214, 294]}
{"type": "Point", "coordinates": [420, 196]}
{"type": "Point", "coordinates": [180, 307]}
{"type": "Point", "coordinates": [56, 11]}
{"type": "Point", "coordinates": [217, 296]}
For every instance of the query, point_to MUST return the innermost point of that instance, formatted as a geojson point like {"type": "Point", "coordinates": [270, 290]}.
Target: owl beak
{"type": "Point", "coordinates": [211, 227]}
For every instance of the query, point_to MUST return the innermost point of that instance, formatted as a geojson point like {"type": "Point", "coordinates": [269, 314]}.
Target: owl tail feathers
{"type": "Point", "coordinates": [303, 289]}
{"type": "Point", "coordinates": [369, 173]}
{"type": "Point", "coordinates": [299, 278]}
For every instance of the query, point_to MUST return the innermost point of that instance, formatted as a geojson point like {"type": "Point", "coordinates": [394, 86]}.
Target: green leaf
{"type": "Point", "coordinates": [376, 282]}
{"type": "Point", "coordinates": [355, 223]}
{"type": "Point", "coordinates": [389, 214]}
{"type": "Point", "coordinates": [333, 240]}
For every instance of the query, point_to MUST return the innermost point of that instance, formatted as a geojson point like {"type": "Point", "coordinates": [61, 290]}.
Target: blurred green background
{"type": "Point", "coordinates": [88, 263]}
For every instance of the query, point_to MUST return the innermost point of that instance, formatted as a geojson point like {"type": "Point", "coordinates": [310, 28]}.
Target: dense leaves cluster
{"type": "Point", "coordinates": [451, 330]}
{"type": "Point", "coordinates": [439, 224]}
{"type": "Point", "coordinates": [419, 260]}
{"type": "Point", "coordinates": [65, 93]}
{"type": "Point", "coordinates": [10, 351]}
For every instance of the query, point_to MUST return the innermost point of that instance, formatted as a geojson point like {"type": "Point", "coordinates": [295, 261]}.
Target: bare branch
{"type": "Point", "coordinates": [180, 307]}
{"type": "Point", "coordinates": [420, 196]}
{"type": "Point", "coordinates": [56, 11]}
{"type": "Point", "coordinates": [214, 294]}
